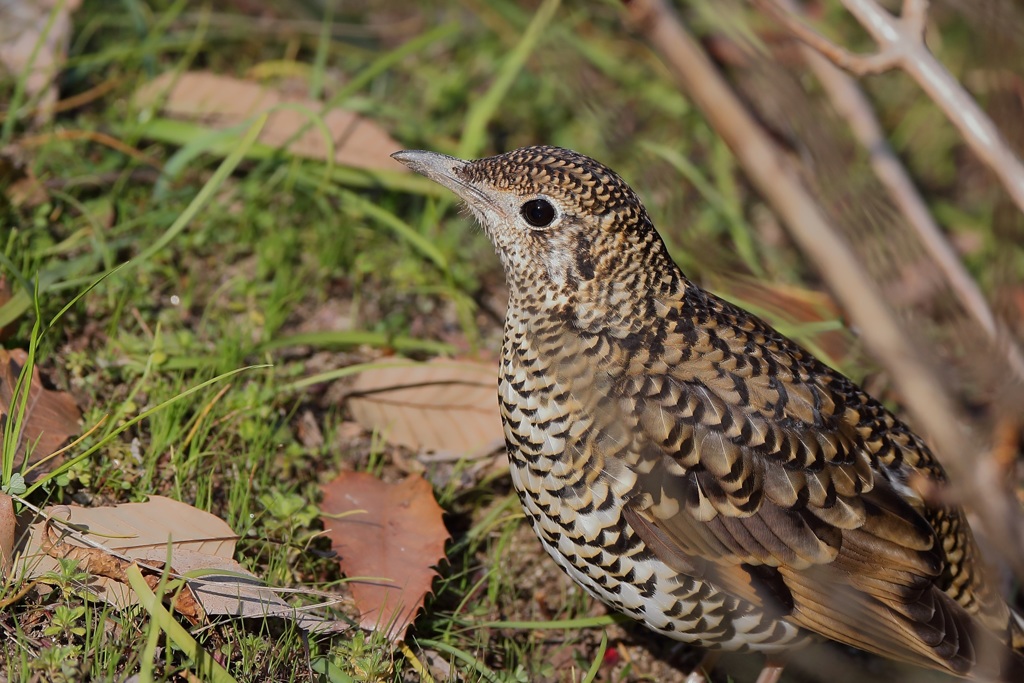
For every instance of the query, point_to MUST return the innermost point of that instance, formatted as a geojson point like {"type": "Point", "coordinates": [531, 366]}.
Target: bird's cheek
{"type": "Point", "coordinates": [497, 227]}
{"type": "Point", "coordinates": [556, 252]}
{"type": "Point", "coordinates": [557, 266]}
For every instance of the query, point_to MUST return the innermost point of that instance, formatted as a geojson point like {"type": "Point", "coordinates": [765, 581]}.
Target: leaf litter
{"type": "Point", "coordinates": [106, 541]}
{"type": "Point", "coordinates": [389, 537]}
{"type": "Point", "coordinates": [225, 101]}
{"type": "Point", "coordinates": [442, 406]}
{"type": "Point", "coordinates": [51, 417]}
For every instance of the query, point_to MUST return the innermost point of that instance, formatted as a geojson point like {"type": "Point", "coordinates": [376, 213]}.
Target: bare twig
{"type": "Point", "coordinates": [915, 18]}
{"type": "Point", "coordinates": [974, 476]}
{"type": "Point", "coordinates": [851, 103]}
{"type": "Point", "coordinates": [901, 44]}
{"type": "Point", "coordinates": [861, 65]}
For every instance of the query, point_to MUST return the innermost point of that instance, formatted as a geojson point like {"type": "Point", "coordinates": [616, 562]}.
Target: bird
{"type": "Point", "coordinates": [693, 468]}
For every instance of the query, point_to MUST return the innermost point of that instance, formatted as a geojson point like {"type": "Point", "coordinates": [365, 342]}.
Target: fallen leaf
{"type": "Point", "coordinates": [141, 532]}
{"type": "Point", "coordinates": [21, 185]}
{"type": "Point", "coordinates": [308, 431]}
{"type": "Point", "coordinates": [51, 417]}
{"type": "Point", "coordinates": [8, 524]}
{"type": "Point", "coordinates": [101, 563]}
{"type": "Point", "coordinates": [388, 540]}
{"type": "Point", "coordinates": [437, 406]}
{"type": "Point", "coordinates": [22, 23]}
{"type": "Point", "coordinates": [130, 530]}
{"type": "Point", "coordinates": [225, 101]}
{"type": "Point", "coordinates": [235, 592]}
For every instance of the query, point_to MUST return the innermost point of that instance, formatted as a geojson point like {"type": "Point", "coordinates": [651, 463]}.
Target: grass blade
{"type": "Point", "coordinates": [207, 668]}
{"type": "Point", "coordinates": [483, 110]}
{"type": "Point", "coordinates": [206, 193]}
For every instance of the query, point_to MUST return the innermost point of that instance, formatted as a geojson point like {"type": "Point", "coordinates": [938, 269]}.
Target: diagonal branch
{"type": "Point", "coordinates": [974, 475]}
{"type": "Point", "coordinates": [858, 64]}
{"type": "Point", "coordinates": [901, 45]}
{"type": "Point", "coordinates": [851, 104]}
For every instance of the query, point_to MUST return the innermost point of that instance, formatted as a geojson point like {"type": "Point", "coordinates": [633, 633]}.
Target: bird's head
{"type": "Point", "coordinates": [560, 221]}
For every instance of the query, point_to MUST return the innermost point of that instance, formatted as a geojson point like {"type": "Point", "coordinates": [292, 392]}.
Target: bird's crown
{"type": "Point", "coordinates": [583, 184]}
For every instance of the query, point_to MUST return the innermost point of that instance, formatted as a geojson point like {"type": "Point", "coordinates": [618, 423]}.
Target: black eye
{"type": "Point", "coordinates": [538, 212]}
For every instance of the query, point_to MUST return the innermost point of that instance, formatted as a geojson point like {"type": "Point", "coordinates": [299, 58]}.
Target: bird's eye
{"type": "Point", "coordinates": [538, 212]}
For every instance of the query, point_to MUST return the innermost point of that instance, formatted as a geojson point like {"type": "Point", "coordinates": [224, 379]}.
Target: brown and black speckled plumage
{"type": "Point", "coordinates": [692, 467]}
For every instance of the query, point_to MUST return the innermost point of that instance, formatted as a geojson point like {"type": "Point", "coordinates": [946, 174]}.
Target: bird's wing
{"type": "Point", "coordinates": [783, 482]}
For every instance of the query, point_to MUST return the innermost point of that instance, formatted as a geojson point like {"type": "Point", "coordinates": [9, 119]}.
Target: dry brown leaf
{"type": "Point", "coordinates": [131, 530]}
{"type": "Point", "coordinates": [389, 540]}
{"type": "Point", "coordinates": [308, 431]}
{"type": "Point", "coordinates": [22, 188]}
{"type": "Point", "coordinates": [140, 532]}
{"type": "Point", "coordinates": [225, 101]}
{"type": "Point", "coordinates": [51, 417]}
{"type": "Point", "coordinates": [8, 525]}
{"type": "Point", "coordinates": [22, 23]}
{"type": "Point", "coordinates": [442, 405]}
{"type": "Point", "coordinates": [100, 563]}
{"type": "Point", "coordinates": [236, 592]}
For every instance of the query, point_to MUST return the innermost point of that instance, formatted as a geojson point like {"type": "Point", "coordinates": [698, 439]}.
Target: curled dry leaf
{"type": "Point", "coordinates": [388, 537]}
{"type": "Point", "coordinates": [224, 587]}
{"type": "Point", "coordinates": [96, 562]}
{"type": "Point", "coordinates": [140, 532]}
{"type": "Point", "coordinates": [8, 525]}
{"type": "Point", "coordinates": [446, 406]}
{"type": "Point", "coordinates": [225, 101]}
{"type": "Point", "coordinates": [51, 417]}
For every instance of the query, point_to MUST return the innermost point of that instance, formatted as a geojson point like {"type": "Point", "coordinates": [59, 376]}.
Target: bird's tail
{"type": "Point", "coordinates": [1013, 669]}
{"type": "Point", "coordinates": [1017, 632]}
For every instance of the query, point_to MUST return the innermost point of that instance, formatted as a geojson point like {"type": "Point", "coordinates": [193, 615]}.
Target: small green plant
{"type": "Point", "coordinates": [59, 663]}
{"type": "Point", "coordinates": [64, 622]}
{"type": "Point", "coordinates": [67, 578]}
{"type": "Point", "coordinates": [366, 660]}
{"type": "Point", "coordinates": [287, 512]}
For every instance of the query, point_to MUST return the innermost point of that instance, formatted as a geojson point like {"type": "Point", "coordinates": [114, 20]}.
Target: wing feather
{"type": "Point", "coordinates": [793, 495]}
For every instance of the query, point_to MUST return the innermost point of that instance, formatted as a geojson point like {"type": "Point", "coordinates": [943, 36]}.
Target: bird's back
{"type": "Point", "coordinates": [707, 475]}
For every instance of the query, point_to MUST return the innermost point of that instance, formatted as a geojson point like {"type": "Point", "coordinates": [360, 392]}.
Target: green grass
{"type": "Point", "coordinates": [194, 264]}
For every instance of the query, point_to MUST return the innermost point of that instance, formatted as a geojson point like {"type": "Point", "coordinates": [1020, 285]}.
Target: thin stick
{"type": "Point", "coordinates": [972, 473]}
{"type": "Point", "coordinates": [901, 44]}
{"type": "Point", "coordinates": [855, 108]}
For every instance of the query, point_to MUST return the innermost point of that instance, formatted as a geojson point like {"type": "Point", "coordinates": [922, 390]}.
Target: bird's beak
{"type": "Point", "coordinates": [442, 169]}
{"type": "Point", "coordinates": [438, 167]}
